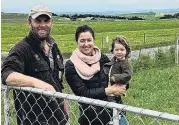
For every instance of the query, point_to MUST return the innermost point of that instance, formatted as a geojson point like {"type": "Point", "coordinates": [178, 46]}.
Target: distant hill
{"type": "Point", "coordinates": [176, 10]}
{"type": "Point", "coordinates": [160, 10]}
{"type": "Point", "coordinates": [124, 12]}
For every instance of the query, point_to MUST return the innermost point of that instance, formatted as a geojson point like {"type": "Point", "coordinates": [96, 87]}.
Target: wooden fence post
{"type": "Point", "coordinates": [177, 51]}
{"type": "Point", "coordinates": [102, 41]}
{"type": "Point", "coordinates": [144, 38]}
{"type": "Point", "coordinates": [107, 42]}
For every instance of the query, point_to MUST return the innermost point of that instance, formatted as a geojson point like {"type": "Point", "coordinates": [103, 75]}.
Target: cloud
{"type": "Point", "coordinates": [120, 2]}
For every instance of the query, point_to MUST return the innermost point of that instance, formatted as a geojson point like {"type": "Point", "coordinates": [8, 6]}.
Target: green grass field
{"type": "Point", "coordinates": [155, 88]}
{"type": "Point", "coordinates": [157, 33]}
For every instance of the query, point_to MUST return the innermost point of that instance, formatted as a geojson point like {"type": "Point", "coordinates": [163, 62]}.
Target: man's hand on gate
{"type": "Point", "coordinates": [44, 85]}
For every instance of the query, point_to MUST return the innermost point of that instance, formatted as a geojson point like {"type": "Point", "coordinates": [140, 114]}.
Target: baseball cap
{"type": "Point", "coordinates": [40, 10]}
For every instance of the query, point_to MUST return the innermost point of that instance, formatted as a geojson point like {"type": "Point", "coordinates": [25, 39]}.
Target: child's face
{"type": "Point", "coordinates": [119, 51]}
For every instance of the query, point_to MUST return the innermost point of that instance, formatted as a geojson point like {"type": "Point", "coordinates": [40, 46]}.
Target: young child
{"type": "Point", "coordinates": [119, 69]}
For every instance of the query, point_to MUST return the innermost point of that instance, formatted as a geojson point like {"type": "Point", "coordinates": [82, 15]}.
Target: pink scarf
{"type": "Point", "coordinates": [81, 62]}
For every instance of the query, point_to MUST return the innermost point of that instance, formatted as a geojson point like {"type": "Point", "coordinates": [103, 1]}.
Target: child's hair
{"type": "Point", "coordinates": [122, 40]}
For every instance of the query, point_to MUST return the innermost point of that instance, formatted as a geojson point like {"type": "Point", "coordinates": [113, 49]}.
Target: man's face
{"type": "Point", "coordinates": [41, 26]}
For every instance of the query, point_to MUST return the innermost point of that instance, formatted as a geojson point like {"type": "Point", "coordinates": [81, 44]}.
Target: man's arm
{"type": "Point", "coordinates": [18, 79]}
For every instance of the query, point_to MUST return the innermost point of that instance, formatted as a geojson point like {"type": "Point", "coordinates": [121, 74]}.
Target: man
{"type": "Point", "coordinates": [36, 62]}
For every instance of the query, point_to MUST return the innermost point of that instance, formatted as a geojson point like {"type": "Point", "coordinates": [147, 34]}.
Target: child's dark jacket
{"type": "Point", "coordinates": [120, 73]}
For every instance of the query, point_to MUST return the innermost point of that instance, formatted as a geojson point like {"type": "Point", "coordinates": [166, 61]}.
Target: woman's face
{"type": "Point", "coordinates": [86, 43]}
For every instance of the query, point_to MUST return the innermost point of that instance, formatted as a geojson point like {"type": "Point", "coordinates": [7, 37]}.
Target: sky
{"type": "Point", "coordinates": [24, 6]}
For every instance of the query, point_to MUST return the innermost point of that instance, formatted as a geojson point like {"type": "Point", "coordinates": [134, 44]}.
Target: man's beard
{"type": "Point", "coordinates": [41, 38]}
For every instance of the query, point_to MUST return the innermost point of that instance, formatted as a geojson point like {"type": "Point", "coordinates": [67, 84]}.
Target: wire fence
{"type": "Point", "coordinates": [136, 54]}
{"type": "Point", "coordinates": [137, 114]}
{"type": "Point", "coordinates": [147, 58]}
{"type": "Point", "coordinates": [145, 40]}
{"type": "Point", "coordinates": [163, 89]}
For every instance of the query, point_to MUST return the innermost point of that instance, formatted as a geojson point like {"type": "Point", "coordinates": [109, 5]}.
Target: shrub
{"type": "Point", "coordinates": [162, 58]}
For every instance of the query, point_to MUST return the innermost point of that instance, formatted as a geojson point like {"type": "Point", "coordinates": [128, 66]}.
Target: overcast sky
{"type": "Point", "coordinates": [23, 6]}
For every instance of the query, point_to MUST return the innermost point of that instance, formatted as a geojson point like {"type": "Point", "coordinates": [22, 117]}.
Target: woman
{"type": "Point", "coordinates": [84, 74]}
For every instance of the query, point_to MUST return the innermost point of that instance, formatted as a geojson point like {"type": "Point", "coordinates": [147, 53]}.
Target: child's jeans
{"type": "Point", "coordinates": [123, 121]}
{"type": "Point", "coordinates": [117, 99]}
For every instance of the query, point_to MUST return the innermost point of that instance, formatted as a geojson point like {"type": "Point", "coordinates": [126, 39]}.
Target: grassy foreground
{"type": "Point", "coordinates": [155, 89]}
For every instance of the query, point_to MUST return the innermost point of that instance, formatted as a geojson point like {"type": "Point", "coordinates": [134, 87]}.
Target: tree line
{"type": "Point", "coordinates": [94, 16]}
{"type": "Point", "coordinates": [169, 16]}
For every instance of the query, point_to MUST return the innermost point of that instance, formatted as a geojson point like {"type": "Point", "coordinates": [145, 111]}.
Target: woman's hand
{"type": "Point", "coordinates": [116, 90]}
{"type": "Point", "coordinates": [67, 108]}
{"type": "Point", "coordinates": [119, 89]}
